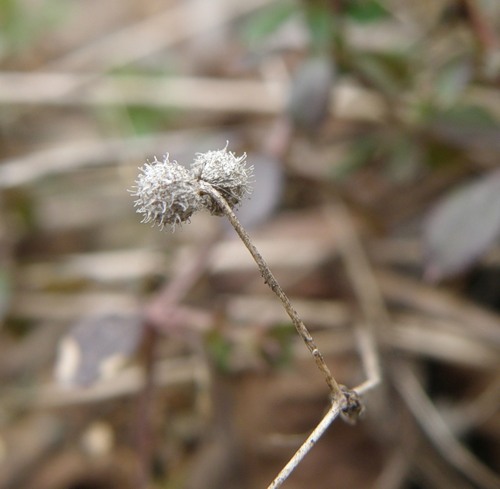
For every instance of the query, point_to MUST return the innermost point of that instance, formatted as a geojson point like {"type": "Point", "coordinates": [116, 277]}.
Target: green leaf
{"type": "Point", "coordinates": [146, 120]}
{"type": "Point", "coordinates": [439, 153]}
{"type": "Point", "coordinates": [321, 22]}
{"type": "Point", "coordinates": [405, 156]}
{"type": "Point", "coordinates": [360, 153]}
{"type": "Point", "coordinates": [389, 72]}
{"type": "Point", "coordinates": [220, 349]}
{"type": "Point", "coordinates": [267, 21]}
{"type": "Point", "coordinates": [466, 116]}
{"type": "Point", "coordinates": [465, 127]}
{"type": "Point", "coordinates": [277, 346]}
{"type": "Point", "coordinates": [5, 292]}
{"type": "Point", "coordinates": [21, 25]}
{"type": "Point", "coordinates": [452, 79]}
{"type": "Point", "coordinates": [366, 11]}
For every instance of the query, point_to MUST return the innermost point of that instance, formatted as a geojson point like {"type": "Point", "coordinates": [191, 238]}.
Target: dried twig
{"type": "Point", "coordinates": [343, 401]}
{"type": "Point", "coordinates": [438, 431]}
{"type": "Point", "coordinates": [367, 290]}
{"type": "Point", "coordinates": [472, 413]}
{"type": "Point", "coordinates": [150, 35]}
{"type": "Point", "coordinates": [69, 157]}
{"type": "Point", "coordinates": [270, 280]}
{"type": "Point", "coordinates": [187, 93]}
{"type": "Point", "coordinates": [441, 303]}
{"type": "Point", "coordinates": [312, 439]}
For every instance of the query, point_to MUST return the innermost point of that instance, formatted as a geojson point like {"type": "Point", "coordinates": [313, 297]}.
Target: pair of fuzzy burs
{"type": "Point", "coordinates": [168, 194]}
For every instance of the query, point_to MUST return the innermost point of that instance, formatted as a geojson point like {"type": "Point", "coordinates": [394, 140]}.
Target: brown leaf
{"type": "Point", "coordinates": [95, 347]}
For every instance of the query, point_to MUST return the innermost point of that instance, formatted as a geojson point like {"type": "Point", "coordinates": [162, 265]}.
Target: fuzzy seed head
{"type": "Point", "coordinates": [169, 194]}
{"type": "Point", "coordinates": [166, 193]}
{"type": "Point", "coordinates": [227, 173]}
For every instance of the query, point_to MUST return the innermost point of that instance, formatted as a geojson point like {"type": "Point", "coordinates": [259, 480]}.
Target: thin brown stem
{"type": "Point", "coordinates": [483, 30]}
{"type": "Point", "coordinates": [367, 290]}
{"type": "Point", "coordinates": [143, 423]}
{"type": "Point", "coordinates": [159, 318]}
{"type": "Point", "coordinates": [336, 393]}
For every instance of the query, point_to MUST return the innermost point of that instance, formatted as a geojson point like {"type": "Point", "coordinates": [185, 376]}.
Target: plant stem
{"type": "Point", "coordinates": [336, 393]}
{"type": "Point", "coordinates": [317, 433]}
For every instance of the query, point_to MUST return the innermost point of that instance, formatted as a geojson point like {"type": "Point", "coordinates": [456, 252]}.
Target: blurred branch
{"type": "Point", "coordinates": [438, 431]}
{"type": "Point", "coordinates": [472, 413]}
{"type": "Point", "coordinates": [366, 289]}
{"type": "Point", "coordinates": [472, 320]}
{"type": "Point", "coordinates": [63, 158]}
{"type": "Point", "coordinates": [435, 472]}
{"type": "Point", "coordinates": [187, 93]}
{"type": "Point", "coordinates": [397, 468]}
{"type": "Point", "coordinates": [484, 31]}
{"type": "Point", "coordinates": [168, 373]}
{"type": "Point", "coordinates": [349, 100]}
{"type": "Point", "coordinates": [151, 35]}
{"type": "Point", "coordinates": [441, 339]}
{"type": "Point", "coordinates": [160, 317]}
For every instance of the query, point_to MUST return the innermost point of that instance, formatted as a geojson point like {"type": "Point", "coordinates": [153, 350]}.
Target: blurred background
{"type": "Point", "coordinates": [137, 358]}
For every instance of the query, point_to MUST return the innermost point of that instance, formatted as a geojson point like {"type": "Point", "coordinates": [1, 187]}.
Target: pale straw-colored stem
{"type": "Point", "coordinates": [312, 439]}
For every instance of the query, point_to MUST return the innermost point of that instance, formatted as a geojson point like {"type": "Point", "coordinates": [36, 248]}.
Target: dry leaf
{"type": "Point", "coordinates": [462, 227]}
{"type": "Point", "coordinates": [95, 348]}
